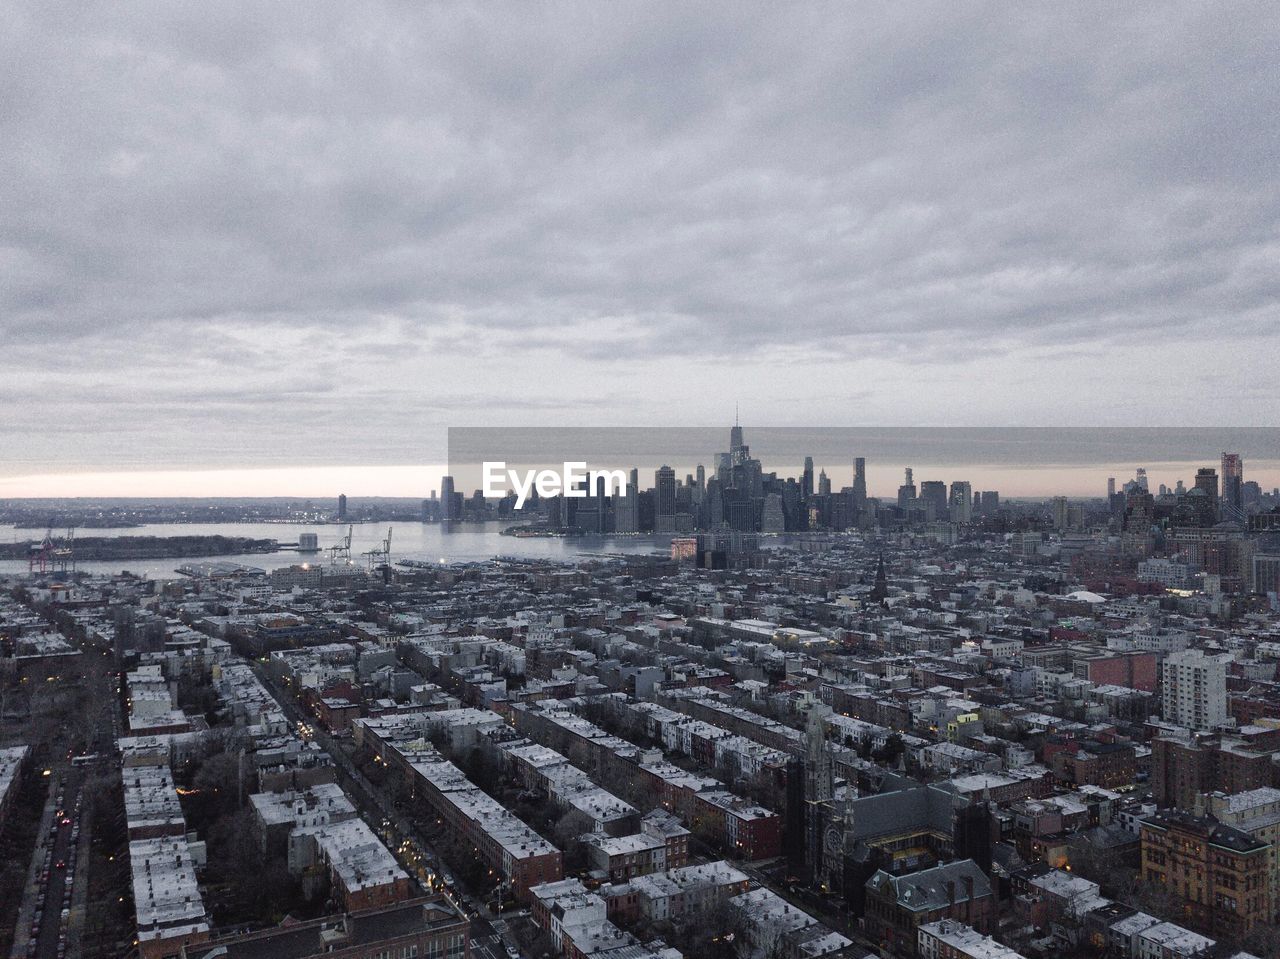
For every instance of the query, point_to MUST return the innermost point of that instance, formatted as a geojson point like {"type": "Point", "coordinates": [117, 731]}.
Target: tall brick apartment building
{"type": "Point", "coordinates": [1221, 874]}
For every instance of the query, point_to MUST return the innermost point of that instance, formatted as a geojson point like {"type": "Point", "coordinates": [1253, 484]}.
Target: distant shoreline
{"type": "Point", "coordinates": [94, 548]}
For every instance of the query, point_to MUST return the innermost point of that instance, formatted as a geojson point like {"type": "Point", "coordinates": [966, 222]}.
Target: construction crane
{"type": "Point", "coordinates": [342, 550]}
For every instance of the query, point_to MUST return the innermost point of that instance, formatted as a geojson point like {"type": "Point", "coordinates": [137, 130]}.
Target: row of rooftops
{"type": "Point", "coordinates": [489, 816]}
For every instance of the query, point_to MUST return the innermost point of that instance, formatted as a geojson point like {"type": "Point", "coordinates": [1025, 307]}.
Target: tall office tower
{"type": "Point", "coordinates": [447, 513]}
{"type": "Point", "coordinates": [1060, 513]}
{"type": "Point", "coordinates": [736, 444]}
{"type": "Point", "coordinates": [1111, 487]}
{"type": "Point", "coordinates": [697, 490]}
{"type": "Point", "coordinates": [1139, 516]}
{"type": "Point", "coordinates": [713, 506]}
{"type": "Point", "coordinates": [664, 508]}
{"type": "Point", "coordinates": [933, 493]}
{"type": "Point", "coordinates": [961, 503]}
{"type": "Point", "coordinates": [772, 518]}
{"type": "Point", "coordinates": [1180, 488]}
{"type": "Point", "coordinates": [990, 502]}
{"type": "Point", "coordinates": [859, 481]}
{"type": "Point", "coordinates": [824, 484]}
{"type": "Point", "coordinates": [907, 491]}
{"type": "Point", "coordinates": [626, 508]}
{"type": "Point", "coordinates": [1141, 479]}
{"type": "Point", "coordinates": [342, 506]}
{"type": "Point", "coordinates": [1194, 689]}
{"type": "Point", "coordinates": [634, 479]}
{"type": "Point", "coordinates": [1250, 494]}
{"type": "Point", "coordinates": [1232, 485]}
{"type": "Point", "coordinates": [806, 479]}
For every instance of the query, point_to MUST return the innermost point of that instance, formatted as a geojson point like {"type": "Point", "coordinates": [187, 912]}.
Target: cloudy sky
{"type": "Point", "coordinates": [306, 238]}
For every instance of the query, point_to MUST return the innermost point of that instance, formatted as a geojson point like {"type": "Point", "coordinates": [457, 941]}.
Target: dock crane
{"type": "Point", "coordinates": [64, 559]}
{"type": "Point", "coordinates": [341, 550]}
{"type": "Point", "coordinates": [380, 555]}
{"type": "Point", "coordinates": [52, 555]}
{"type": "Point", "coordinates": [40, 557]}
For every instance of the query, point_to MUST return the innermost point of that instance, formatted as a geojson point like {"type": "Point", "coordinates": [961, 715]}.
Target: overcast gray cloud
{"type": "Point", "coordinates": [290, 233]}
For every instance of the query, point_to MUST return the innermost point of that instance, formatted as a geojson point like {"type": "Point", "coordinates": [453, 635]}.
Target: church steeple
{"type": "Point", "coordinates": [880, 591]}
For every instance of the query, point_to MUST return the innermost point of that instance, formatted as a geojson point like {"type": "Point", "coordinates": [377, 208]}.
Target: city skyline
{"type": "Point", "coordinates": [418, 482]}
{"type": "Point", "coordinates": [326, 245]}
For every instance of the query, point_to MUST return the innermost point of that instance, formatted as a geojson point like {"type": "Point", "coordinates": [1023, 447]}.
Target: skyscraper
{"type": "Point", "coordinates": [824, 484]}
{"type": "Point", "coordinates": [961, 504]}
{"type": "Point", "coordinates": [342, 506]}
{"type": "Point", "coordinates": [447, 501]}
{"type": "Point", "coordinates": [772, 519]}
{"type": "Point", "coordinates": [859, 482]}
{"type": "Point", "coordinates": [806, 480]}
{"type": "Point", "coordinates": [626, 508]}
{"type": "Point", "coordinates": [933, 493]}
{"type": "Point", "coordinates": [1232, 485]}
{"type": "Point", "coordinates": [664, 513]}
{"type": "Point", "coordinates": [735, 442]}
{"type": "Point", "coordinates": [907, 491]}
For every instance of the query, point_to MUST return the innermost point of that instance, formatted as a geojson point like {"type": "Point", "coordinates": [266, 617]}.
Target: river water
{"type": "Point", "coordinates": [429, 542]}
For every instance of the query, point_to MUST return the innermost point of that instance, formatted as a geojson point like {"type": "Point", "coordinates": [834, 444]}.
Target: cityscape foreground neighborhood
{"type": "Point", "coordinates": [808, 722]}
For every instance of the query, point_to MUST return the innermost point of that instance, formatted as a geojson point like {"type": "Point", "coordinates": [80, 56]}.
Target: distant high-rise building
{"type": "Point", "coordinates": [961, 502]}
{"type": "Point", "coordinates": [450, 509]}
{"type": "Point", "coordinates": [737, 447]}
{"type": "Point", "coordinates": [1194, 689]}
{"type": "Point", "coordinates": [1139, 515]}
{"type": "Point", "coordinates": [1250, 494]}
{"type": "Point", "coordinates": [664, 515]}
{"type": "Point", "coordinates": [1232, 485]}
{"type": "Point", "coordinates": [933, 493]}
{"type": "Point", "coordinates": [1060, 513]}
{"type": "Point", "coordinates": [1111, 487]}
{"type": "Point", "coordinates": [1140, 477]}
{"type": "Point", "coordinates": [988, 502]}
{"type": "Point", "coordinates": [806, 480]}
{"type": "Point", "coordinates": [859, 481]}
{"type": "Point", "coordinates": [772, 518]}
{"type": "Point", "coordinates": [342, 506]}
{"type": "Point", "coordinates": [824, 484]}
{"type": "Point", "coordinates": [907, 491]}
{"type": "Point", "coordinates": [626, 508]}
{"type": "Point", "coordinates": [1206, 482]}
